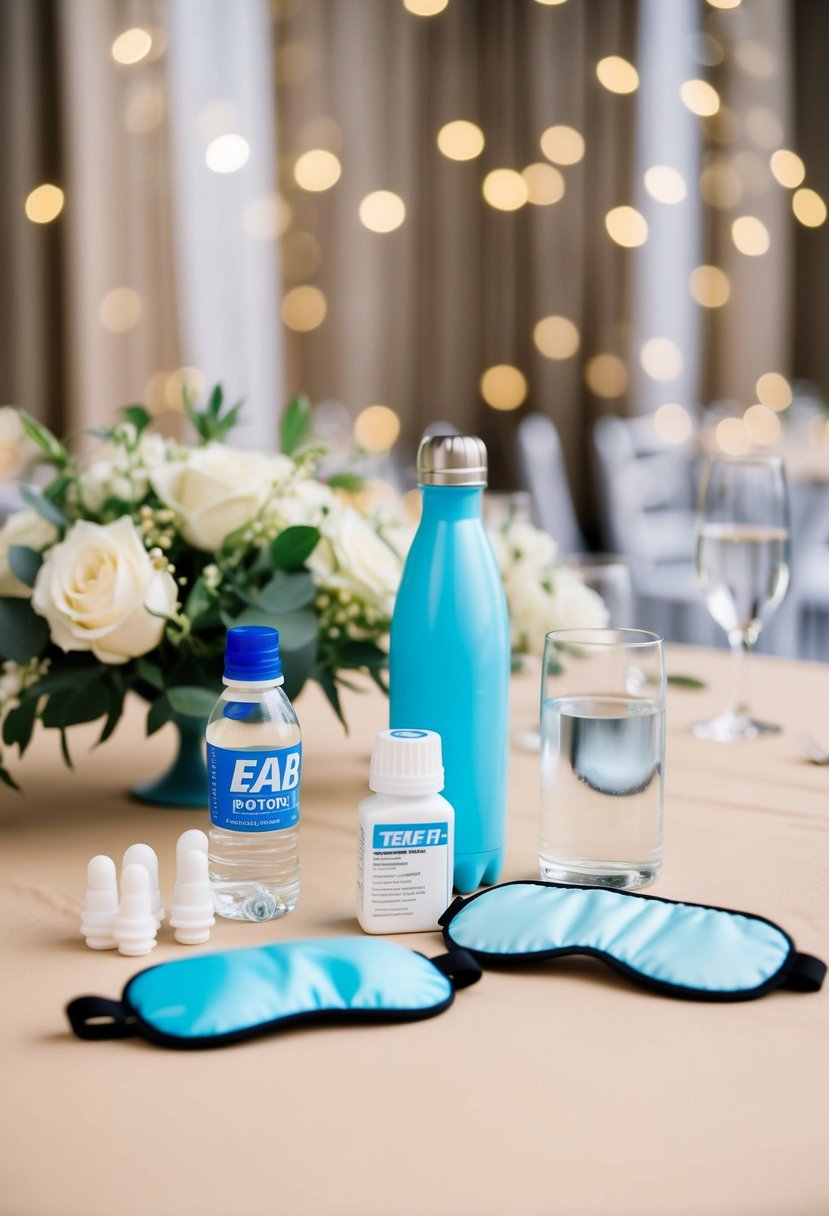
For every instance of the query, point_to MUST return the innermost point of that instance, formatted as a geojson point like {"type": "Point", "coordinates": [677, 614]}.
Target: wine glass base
{"type": "Point", "coordinates": [733, 728]}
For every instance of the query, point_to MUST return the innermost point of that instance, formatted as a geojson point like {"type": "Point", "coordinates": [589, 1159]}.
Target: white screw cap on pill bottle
{"type": "Point", "coordinates": [406, 762]}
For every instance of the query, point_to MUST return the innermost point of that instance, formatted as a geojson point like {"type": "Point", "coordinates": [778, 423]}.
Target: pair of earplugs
{"type": "Point", "coordinates": [130, 922]}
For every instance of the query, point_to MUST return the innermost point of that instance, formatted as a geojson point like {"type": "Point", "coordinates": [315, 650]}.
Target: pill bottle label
{"type": "Point", "coordinates": [408, 872]}
{"type": "Point", "coordinates": [254, 791]}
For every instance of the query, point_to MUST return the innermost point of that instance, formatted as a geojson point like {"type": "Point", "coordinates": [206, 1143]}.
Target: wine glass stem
{"type": "Point", "coordinates": [740, 646]}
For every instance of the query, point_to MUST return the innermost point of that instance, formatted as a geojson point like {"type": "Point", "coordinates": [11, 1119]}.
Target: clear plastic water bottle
{"type": "Point", "coordinates": [254, 764]}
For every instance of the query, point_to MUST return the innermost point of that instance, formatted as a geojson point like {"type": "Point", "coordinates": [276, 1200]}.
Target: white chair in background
{"type": "Point", "coordinates": [542, 472]}
{"type": "Point", "coordinates": [647, 494]}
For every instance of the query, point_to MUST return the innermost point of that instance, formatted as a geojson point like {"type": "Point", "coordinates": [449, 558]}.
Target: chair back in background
{"type": "Point", "coordinates": [542, 472]}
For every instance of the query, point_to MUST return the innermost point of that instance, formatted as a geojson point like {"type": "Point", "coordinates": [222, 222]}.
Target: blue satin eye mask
{"type": "Point", "coordinates": [210, 1000]}
{"type": "Point", "coordinates": [679, 949]}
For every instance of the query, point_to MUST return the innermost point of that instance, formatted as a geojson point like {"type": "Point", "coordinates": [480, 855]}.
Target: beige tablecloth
{"type": "Point", "coordinates": [555, 1090]}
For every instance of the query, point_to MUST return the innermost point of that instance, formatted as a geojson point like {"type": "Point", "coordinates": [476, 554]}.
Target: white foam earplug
{"type": "Point", "coordinates": [135, 926]}
{"type": "Point", "coordinates": [192, 912]}
{"type": "Point", "coordinates": [100, 905]}
{"type": "Point", "coordinates": [193, 840]}
{"type": "Point", "coordinates": [143, 855]}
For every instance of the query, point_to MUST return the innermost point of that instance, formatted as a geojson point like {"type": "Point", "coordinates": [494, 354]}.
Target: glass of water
{"type": "Point", "coordinates": [743, 569]}
{"type": "Point", "coordinates": [602, 757]}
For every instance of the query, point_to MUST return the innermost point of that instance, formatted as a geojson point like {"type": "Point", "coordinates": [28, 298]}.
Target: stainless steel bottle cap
{"type": "Point", "coordinates": [451, 460]}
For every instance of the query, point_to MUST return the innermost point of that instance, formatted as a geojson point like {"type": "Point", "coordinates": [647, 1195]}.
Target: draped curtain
{"type": "Point", "coordinates": [415, 316]}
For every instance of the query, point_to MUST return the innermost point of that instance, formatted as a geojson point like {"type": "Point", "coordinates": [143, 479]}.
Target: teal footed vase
{"type": "Point", "coordinates": [185, 782]}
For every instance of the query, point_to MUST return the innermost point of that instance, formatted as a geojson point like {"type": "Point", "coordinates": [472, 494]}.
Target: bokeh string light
{"type": "Point", "coordinates": [545, 184]}
{"type": "Point", "coordinates": [750, 236]}
{"type": "Point", "coordinates": [460, 140]}
{"type": "Point", "coordinates": [44, 204]}
{"type": "Point", "coordinates": [317, 170]}
{"type": "Point", "coordinates": [382, 211]}
{"type": "Point", "coordinates": [562, 145]}
{"type": "Point", "coordinates": [505, 189]}
{"type": "Point", "coordinates": [617, 75]}
{"type": "Point", "coordinates": [304, 308]}
{"type": "Point", "coordinates": [626, 226]}
{"type": "Point", "coordinates": [665, 184]}
{"type": "Point", "coordinates": [673, 423]}
{"type": "Point", "coordinates": [376, 428]}
{"type": "Point", "coordinates": [132, 46]}
{"type": "Point", "coordinates": [504, 387]}
{"type": "Point", "coordinates": [227, 154]}
{"type": "Point", "coordinates": [556, 337]}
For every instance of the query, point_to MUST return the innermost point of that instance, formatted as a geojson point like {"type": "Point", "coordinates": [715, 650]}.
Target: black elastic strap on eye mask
{"type": "Point", "coordinates": [459, 966]}
{"type": "Point", "coordinates": [805, 973]}
{"type": "Point", "coordinates": [96, 1017]}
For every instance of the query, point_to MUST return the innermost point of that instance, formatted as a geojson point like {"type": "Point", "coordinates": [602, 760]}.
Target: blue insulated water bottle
{"type": "Point", "coordinates": [450, 650]}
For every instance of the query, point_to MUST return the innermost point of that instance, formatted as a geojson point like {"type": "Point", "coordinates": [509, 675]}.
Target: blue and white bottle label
{"type": "Point", "coordinates": [254, 791]}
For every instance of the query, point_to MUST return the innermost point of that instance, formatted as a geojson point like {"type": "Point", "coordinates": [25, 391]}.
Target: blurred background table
{"type": "Point", "coordinates": [554, 1089]}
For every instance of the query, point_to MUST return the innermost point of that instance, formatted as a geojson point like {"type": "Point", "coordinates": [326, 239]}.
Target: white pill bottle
{"type": "Point", "coordinates": [406, 836]}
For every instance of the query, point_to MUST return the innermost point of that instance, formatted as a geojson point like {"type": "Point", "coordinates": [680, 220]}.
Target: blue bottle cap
{"type": "Point", "coordinates": [252, 654]}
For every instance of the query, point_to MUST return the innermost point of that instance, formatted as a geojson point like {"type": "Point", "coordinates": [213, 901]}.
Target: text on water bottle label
{"type": "Point", "coordinates": [254, 791]}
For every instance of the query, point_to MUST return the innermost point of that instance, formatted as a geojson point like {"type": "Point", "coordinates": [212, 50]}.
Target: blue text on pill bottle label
{"type": "Point", "coordinates": [254, 791]}
{"type": "Point", "coordinates": [409, 835]}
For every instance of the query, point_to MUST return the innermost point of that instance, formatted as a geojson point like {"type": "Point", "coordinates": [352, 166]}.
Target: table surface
{"type": "Point", "coordinates": [559, 1088]}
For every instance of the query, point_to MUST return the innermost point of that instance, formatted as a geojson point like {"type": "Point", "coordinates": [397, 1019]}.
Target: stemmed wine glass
{"type": "Point", "coordinates": [743, 569]}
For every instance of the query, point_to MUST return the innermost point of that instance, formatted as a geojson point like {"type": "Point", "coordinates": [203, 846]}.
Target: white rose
{"type": "Point", "coordinates": [217, 489]}
{"type": "Point", "coordinates": [307, 502]}
{"type": "Point", "coordinates": [23, 528]}
{"type": "Point", "coordinates": [121, 472]}
{"type": "Point", "coordinates": [95, 587]}
{"type": "Point", "coordinates": [353, 558]}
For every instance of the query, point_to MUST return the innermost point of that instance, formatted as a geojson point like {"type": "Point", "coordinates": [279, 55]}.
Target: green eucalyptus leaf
{"type": "Point", "coordinates": [18, 724]}
{"type": "Point", "coordinates": [83, 703]}
{"type": "Point", "coordinates": [228, 422]}
{"type": "Point", "coordinates": [43, 437]}
{"type": "Point", "coordinates": [296, 629]}
{"type": "Point", "coordinates": [138, 415]}
{"type": "Point", "coordinates": [294, 546]}
{"type": "Point", "coordinates": [150, 673]}
{"type": "Point", "coordinates": [23, 634]}
{"type": "Point", "coordinates": [325, 678]}
{"type": "Point", "coordinates": [363, 654]}
{"type": "Point", "coordinates": [353, 483]}
{"type": "Point", "coordinates": [191, 701]}
{"type": "Point", "coordinates": [198, 601]}
{"type": "Point", "coordinates": [44, 507]}
{"type": "Point", "coordinates": [72, 671]}
{"type": "Point", "coordinates": [286, 592]}
{"type": "Point", "coordinates": [7, 779]}
{"type": "Point", "coordinates": [686, 682]}
{"type": "Point", "coordinates": [214, 405]}
{"type": "Point", "coordinates": [158, 715]}
{"type": "Point", "coordinates": [117, 691]}
{"type": "Point", "coordinates": [295, 424]}
{"type": "Point", "coordinates": [24, 563]}
{"type": "Point", "coordinates": [64, 750]}
{"type": "Point", "coordinates": [298, 665]}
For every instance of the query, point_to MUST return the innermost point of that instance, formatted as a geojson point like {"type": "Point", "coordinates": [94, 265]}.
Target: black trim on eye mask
{"type": "Point", "coordinates": [798, 972]}
{"type": "Point", "coordinates": [95, 1018]}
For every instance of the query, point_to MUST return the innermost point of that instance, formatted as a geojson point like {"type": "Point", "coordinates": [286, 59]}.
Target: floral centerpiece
{"type": "Point", "coordinates": [124, 574]}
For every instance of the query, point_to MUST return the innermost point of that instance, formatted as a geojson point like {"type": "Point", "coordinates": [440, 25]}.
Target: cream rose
{"type": "Point", "coordinates": [23, 528]}
{"type": "Point", "coordinates": [307, 502]}
{"type": "Point", "coordinates": [217, 489]}
{"type": "Point", "coordinates": [353, 558]}
{"type": "Point", "coordinates": [95, 589]}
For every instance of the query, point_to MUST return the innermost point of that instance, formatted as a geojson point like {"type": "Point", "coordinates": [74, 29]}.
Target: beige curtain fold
{"type": "Point", "coordinates": [417, 315]}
